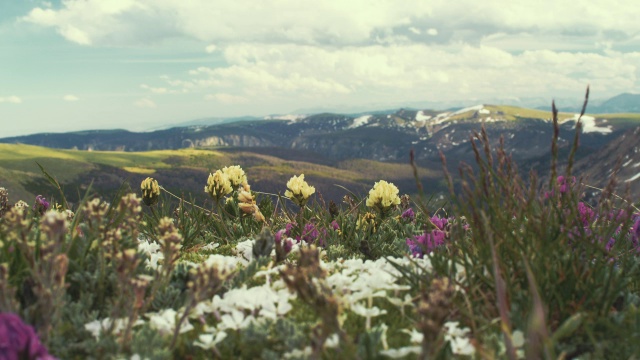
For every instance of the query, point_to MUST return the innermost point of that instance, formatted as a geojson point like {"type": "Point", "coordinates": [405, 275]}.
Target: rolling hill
{"type": "Point", "coordinates": [350, 150]}
{"type": "Point", "coordinates": [185, 171]}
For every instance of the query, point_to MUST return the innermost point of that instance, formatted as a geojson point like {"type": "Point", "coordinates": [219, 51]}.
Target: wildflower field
{"type": "Point", "coordinates": [509, 267]}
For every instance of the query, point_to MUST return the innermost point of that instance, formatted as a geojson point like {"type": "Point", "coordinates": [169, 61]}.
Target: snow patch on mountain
{"type": "Point", "coordinates": [360, 121]}
{"type": "Point", "coordinates": [589, 124]}
{"type": "Point", "coordinates": [470, 108]}
{"type": "Point", "coordinates": [420, 116]}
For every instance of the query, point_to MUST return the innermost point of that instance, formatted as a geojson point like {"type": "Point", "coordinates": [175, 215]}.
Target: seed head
{"type": "Point", "coordinates": [150, 191]}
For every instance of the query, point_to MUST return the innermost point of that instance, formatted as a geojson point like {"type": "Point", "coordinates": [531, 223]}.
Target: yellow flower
{"type": "Point", "coordinates": [383, 196]}
{"type": "Point", "coordinates": [218, 185]}
{"type": "Point", "coordinates": [368, 221]}
{"type": "Point", "coordinates": [150, 191]}
{"type": "Point", "coordinates": [236, 175]}
{"type": "Point", "coordinates": [298, 190]}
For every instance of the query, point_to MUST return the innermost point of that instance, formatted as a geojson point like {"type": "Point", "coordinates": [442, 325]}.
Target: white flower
{"type": "Point", "coordinates": [96, 327]}
{"type": "Point", "coordinates": [299, 354]}
{"type": "Point", "coordinates": [408, 301]}
{"type": "Point", "coordinates": [517, 338]}
{"type": "Point", "coordinates": [367, 312]}
{"type": "Point", "coordinates": [401, 352]}
{"type": "Point", "coordinates": [332, 342]}
{"type": "Point", "coordinates": [210, 246]}
{"type": "Point", "coordinates": [415, 337]}
{"type": "Point", "coordinates": [209, 341]}
{"type": "Point", "coordinates": [165, 322]}
{"type": "Point", "coordinates": [153, 250]}
{"type": "Point", "coordinates": [236, 320]}
{"type": "Point", "coordinates": [225, 264]}
{"type": "Point", "coordinates": [458, 339]}
{"type": "Point", "coordinates": [244, 250]}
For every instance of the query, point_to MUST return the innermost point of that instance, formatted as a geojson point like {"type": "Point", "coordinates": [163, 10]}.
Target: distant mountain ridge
{"type": "Point", "coordinates": [330, 139]}
{"type": "Point", "coordinates": [623, 103]}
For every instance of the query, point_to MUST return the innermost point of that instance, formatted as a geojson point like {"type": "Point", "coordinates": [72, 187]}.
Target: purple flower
{"type": "Point", "coordinates": [335, 225]}
{"type": "Point", "coordinates": [289, 228]}
{"type": "Point", "coordinates": [635, 234]}
{"type": "Point", "coordinates": [311, 234]}
{"type": "Point", "coordinates": [429, 241]}
{"type": "Point", "coordinates": [426, 243]}
{"type": "Point", "coordinates": [587, 216]}
{"type": "Point", "coordinates": [19, 341]}
{"type": "Point", "coordinates": [287, 244]}
{"type": "Point", "coordinates": [408, 214]}
{"type": "Point", "coordinates": [41, 205]}
{"type": "Point", "coordinates": [563, 184]}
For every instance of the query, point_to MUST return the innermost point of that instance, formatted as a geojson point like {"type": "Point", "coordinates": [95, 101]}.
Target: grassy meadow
{"type": "Point", "coordinates": [259, 265]}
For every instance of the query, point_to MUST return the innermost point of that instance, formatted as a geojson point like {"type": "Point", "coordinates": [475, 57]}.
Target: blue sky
{"type": "Point", "coordinates": [142, 64]}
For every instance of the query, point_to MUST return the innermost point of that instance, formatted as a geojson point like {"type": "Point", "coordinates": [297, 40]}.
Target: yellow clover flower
{"type": "Point", "coordinates": [383, 196]}
{"type": "Point", "coordinates": [150, 191]}
{"type": "Point", "coordinates": [218, 185]}
{"type": "Point", "coordinates": [298, 190]}
{"type": "Point", "coordinates": [236, 175]}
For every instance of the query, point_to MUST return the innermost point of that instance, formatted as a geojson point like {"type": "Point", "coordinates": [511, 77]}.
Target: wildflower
{"type": "Point", "coordinates": [236, 175]}
{"type": "Point", "coordinates": [408, 214]}
{"type": "Point", "coordinates": [4, 201]}
{"type": "Point", "coordinates": [458, 339]}
{"type": "Point", "coordinates": [21, 205]}
{"type": "Point", "coordinates": [218, 185]}
{"type": "Point", "coordinates": [367, 220]}
{"type": "Point", "coordinates": [247, 203]}
{"type": "Point", "coordinates": [41, 205]}
{"type": "Point", "coordinates": [298, 190]}
{"type": "Point", "coordinates": [587, 215]}
{"type": "Point", "coordinates": [19, 341]}
{"type": "Point", "coordinates": [383, 196]}
{"type": "Point", "coordinates": [150, 191]}
{"type": "Point", "coordinates": [429, 241]}
{"type": "Point", "coordinates": [311, 234]}
{"type": "Point", "coordinates": [563, 184]}
{"type": "Point", "coordinates": [209, 341]}
{"type": "Point", "coordinates": [164, 321]}
{"type": "Point", "coordinates": [283, 246]}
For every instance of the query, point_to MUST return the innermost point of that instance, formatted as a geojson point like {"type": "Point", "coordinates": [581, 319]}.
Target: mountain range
{"type": "Point", "coordinates": [337, 140]}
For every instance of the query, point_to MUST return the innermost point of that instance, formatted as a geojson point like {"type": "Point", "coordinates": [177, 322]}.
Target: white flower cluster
{"type": "Point", "coordinates": [355, 282]}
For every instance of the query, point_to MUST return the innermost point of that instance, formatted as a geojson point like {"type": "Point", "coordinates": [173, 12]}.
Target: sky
{"type": "Point", "coordinates": [143, 64]}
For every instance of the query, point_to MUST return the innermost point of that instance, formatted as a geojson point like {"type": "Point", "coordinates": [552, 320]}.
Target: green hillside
{"type": "Point", "coordinates": [186, 171]}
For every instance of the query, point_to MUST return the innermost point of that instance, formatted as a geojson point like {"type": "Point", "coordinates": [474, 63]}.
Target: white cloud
{"type": "Point", "coordinates": [70, 97]}
{"type": "Point", "coordinates": [126, 22]}
{"type": "Point", "coordinates": [227, 98]}
{"type": "Point", "coordinates": [210, 49]}
{"type": "Point", "coordinates": [145, 103]}
{"type": "Point", "coordinates": [405, 72]}
{"type": "Point", "coordinates": [283, 52]}
{"type": "Point", "coordinates": [11, 99]}
{"type": "Point", "coordinates": [157, 90]}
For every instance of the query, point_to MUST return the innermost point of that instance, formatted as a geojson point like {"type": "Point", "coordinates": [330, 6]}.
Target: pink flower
{"type": "Point", "coordinates": [19, 341]}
